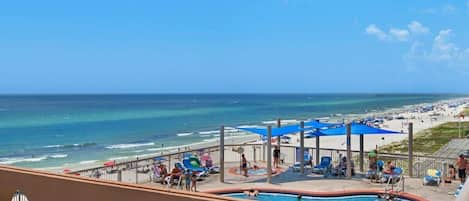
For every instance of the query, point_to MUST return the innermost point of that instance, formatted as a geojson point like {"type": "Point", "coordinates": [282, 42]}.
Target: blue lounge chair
{"type": "Point", "coordinates": [307, 162]}
{"type": "Point", "coordinates": [200, 171]}
{"type": "Point", "coordinates": [324, 165]}
{"type": "Point", "coordinates": [376, 174]}
{"type": "Point", "coordinates": [394, 177]}
{"type": "Point", "coordinates": [433, 177]}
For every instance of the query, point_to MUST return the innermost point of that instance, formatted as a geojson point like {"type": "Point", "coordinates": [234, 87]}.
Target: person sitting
{"type": "Point", "coordinates": [340, 168]}
{"type": "Point", "coordinates": [451, 174]}
{"type": "Point", "coordinates": [163, 172]}
{"type": "Point", "coordinates": [389, 168]}
{"type": "Point", "coordinates": [175, 174]}
{"type": "Point", "coordinates": [251, 193]}
{"type": "Point", "coordinates": [255, 167]}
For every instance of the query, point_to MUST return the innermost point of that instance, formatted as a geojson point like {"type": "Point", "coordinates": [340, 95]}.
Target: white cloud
{"type": "Point", "coordinates": [448, 8]}
{"type": "Point", "coordinates": [467, 4]}
{"type": "Point", "coordinates": [399, 34]}
{"type": "Point", "coordinates": [442, 10]}
{"type": "Point", "coordinates": [442, 52]}
{"type": "Point", "coordinates": [417, 28]}
{"type": "Point", "coordinates": [374, 30]}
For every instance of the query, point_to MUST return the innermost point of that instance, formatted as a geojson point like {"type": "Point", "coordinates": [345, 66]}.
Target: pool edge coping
{"type": "Point", "coordinates": [404, 195]}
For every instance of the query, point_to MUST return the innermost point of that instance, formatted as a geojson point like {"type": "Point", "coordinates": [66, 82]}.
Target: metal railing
{"type": "Point", "coordinates": [140, 170]}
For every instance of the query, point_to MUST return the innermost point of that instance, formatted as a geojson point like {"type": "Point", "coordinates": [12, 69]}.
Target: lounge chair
{"type": "Point", "coordinates": [433, 177]}
{"type": "Point", "coordinates": [394, 177]}
{"type": "Point", "coordinates": [157, 177]}
{"type": "Point", "coordinates": [186, 165]}
{"type": "Point", "coordinates": [174, 181]}
{"type": "Point", "coordinates": [377, 173]}
{"type": "Point", "coordinates": [324, 166]}
{"type": "Point", "coordinates": [206, 159]}
{"type": "Point", "coordinates": [458, 190]}
{"type": "Point", "coordinates": [307, 162]}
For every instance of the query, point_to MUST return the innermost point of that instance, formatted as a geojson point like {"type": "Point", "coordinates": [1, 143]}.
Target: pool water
{"type": "Point", "coordinates": [288, 197]}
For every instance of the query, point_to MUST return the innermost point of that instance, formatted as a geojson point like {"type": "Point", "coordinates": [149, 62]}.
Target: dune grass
{"type": "Point", "coordinates": [430, 140]}
{"type": "Point", "coordinates": [465, 112]}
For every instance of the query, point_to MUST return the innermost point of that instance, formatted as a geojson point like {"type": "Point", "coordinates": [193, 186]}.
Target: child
{"type": "Point", "coordinates": [187, 179]}
{"type": "Point", "coordinates": [194, 182]}
{"type": "Point", "coordinates": [451, 174]}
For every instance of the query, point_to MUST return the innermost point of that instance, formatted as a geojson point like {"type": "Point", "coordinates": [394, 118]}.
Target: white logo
{"type": "Point", "coordinates": [18, 196]}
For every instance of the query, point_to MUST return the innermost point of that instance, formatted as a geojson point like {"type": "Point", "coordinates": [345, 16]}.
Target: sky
{"type": "Point", "coordinates": [242, 46]}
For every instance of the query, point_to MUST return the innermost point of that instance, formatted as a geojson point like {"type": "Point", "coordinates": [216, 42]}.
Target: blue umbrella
{"type": "Point", "coordinates": [357, 129]}
{"type": "Point", "coordinates": [319, 125]}
{"type": "Point", "coordinates": [275, 131]}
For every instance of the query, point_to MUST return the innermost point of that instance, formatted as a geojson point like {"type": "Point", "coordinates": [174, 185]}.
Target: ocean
{"type": "Point", "coordinates": [43, 131]}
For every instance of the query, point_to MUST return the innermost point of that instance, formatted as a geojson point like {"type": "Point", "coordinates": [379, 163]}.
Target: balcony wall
{"type": "Point", "coordinates": [44, 186]}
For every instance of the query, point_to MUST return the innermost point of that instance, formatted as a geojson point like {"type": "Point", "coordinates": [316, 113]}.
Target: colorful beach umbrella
{"type": "Point", "coordinates": [109, 163]}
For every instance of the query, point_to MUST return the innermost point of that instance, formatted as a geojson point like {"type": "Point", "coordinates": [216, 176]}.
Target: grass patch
{"type": "Point", "coordinates": [430, 140]}
{"type": "Point", "coordinates": [465, 112]}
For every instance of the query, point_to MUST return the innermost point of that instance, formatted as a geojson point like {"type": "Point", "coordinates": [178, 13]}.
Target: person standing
{"type": "Point", "coordinates": [194, 182]}
{"type": "Point", "coordinates": [462, 165]}
{"type": "Point", "coordinates": [276, 156]}
{"type": "Point", "coordinates": [244, 165]}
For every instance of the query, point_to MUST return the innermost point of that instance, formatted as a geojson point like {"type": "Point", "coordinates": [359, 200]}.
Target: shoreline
{"type": "Point", "coordinates": [332, 142]}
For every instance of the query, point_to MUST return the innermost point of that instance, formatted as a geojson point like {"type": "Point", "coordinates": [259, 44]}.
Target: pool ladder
{"type": "Point", "coordinates": [393, 188]}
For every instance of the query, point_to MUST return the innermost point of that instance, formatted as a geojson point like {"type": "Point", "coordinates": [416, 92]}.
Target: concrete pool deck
{"type": "Point", "coordinates": [314, 182]}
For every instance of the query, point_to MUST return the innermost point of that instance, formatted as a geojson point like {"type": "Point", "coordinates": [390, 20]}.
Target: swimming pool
{"type": "Point", "coordinates": [291, 197]}
{"type": "Point", "coordinates": [261, 171]}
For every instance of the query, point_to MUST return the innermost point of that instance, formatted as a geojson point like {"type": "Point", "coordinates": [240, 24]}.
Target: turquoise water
{"type": "Point", "coordinates": [287, 197]}
{"type": "Point", "coordinates": [55, 130]}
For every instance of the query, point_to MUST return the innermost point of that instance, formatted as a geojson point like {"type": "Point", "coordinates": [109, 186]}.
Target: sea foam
{"type": "Point", "coordinates": [130, 145]}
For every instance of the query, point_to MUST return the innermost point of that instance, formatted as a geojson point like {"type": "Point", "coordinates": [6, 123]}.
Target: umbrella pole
{"type": "Point", "coordinates": [317, 150]}
{"type": "Point", "coordinates": [362, 155]}
{"type": "Point", "coordinates": [222, 154]}
{"type": "Point", "coordinates": [349, 151]}
{"type": "Point", "coordinates": [269, 154]}
{"type": "Point", "coordinates": [411, 148]}
{"type": "Point", "coordinates": [302, 147]}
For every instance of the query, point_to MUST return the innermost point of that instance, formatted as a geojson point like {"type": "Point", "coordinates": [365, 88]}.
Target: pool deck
{"type": "Point", "coordinates": [314, 182]}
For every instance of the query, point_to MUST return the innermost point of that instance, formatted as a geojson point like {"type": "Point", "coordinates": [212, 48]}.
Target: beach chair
{"type": "Point", "coordinates": [157, 177]}
{"type": "Point", "coordinates": [433, 177]}
{"type": "Point", "coordinates": [376, 174]}
{"type": "Point", "coordinates": [458, 190]}
{"type": "Point", "coordinates": [200, 171]}
{"type": "Point", "coordinates": [206, 159]}
{"type": "Point", "coordinates": [175, 181]}
{"type": "Point", "coordinates": [307, 162]}
{"type": "Point", "coordinates": [324, 165]}
{"type": "Point", "coordinates": [394, 177]}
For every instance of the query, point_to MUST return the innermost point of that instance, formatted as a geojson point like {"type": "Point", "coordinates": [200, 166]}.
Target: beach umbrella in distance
{"type": "Point", "coordinates": [109, 163]}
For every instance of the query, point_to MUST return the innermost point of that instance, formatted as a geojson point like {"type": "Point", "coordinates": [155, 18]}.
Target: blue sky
{"type": "Point", "coordinates": [297, 46]}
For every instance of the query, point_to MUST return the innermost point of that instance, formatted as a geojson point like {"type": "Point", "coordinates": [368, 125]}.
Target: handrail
{"type": "Point", "coordinates": [215, 148]}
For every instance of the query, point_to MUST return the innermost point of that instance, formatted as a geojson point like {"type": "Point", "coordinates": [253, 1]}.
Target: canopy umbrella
{"type": "Point", "coordinates": [319, 125]}
{"type": "Point", "coordinates": [280, 131]}
{"type": "Point", "coordinates": [355, 129]}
